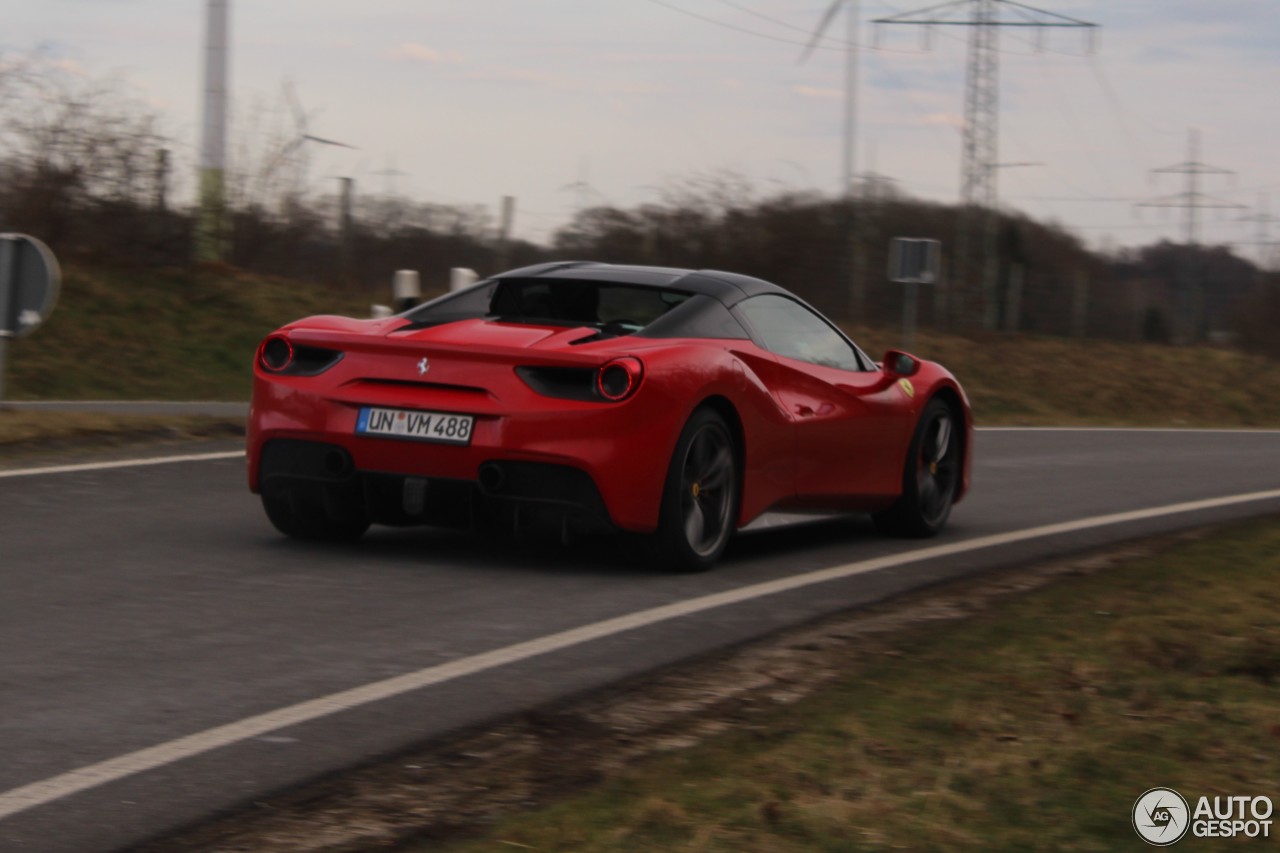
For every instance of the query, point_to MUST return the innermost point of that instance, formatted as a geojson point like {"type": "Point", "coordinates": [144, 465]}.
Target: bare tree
{"type": "Point", "coordinates": [73, 145]}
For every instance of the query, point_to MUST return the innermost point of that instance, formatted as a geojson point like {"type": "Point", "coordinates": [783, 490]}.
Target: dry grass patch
{"type": "Point", "coordinates": [1019, 379]}
{"type": "Point", "coordinates": [25, 432]}
{"type": "Point", "coordinates": [1033, 728]}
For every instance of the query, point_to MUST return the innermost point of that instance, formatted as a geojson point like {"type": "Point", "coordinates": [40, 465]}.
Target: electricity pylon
{"type": "Point", "coordinates": [1191, 199]}
{"type": "Point", "coordinates": [1189, 293]}
{"type": "Point", "coordinates": [979, 219]}
{"type": "Point", "coordinates": [1263, 220]}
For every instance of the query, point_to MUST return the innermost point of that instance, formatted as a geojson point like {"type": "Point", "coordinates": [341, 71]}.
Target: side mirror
{"type": "Point", "coordinates": [898, 363]}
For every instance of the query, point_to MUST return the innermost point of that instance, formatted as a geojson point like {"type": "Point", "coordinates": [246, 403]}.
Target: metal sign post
{"type": "Point", "coordinates": [912, 262]}
{"type": "Point", "coordinates": [29, 283]}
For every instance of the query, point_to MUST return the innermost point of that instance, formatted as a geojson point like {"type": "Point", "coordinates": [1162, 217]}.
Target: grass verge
{"type": "Point", "coordinates": [23, 433]}
{"type": "Point", "coordinates": [1034, 727]}
{"type": "Point", "coordinates": [1021, 380]}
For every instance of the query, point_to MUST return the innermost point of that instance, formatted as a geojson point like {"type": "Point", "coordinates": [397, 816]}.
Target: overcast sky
{"type": "Point", "coordinates": [476, 99]}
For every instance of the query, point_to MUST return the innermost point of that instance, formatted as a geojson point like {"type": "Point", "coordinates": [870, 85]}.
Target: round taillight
{"type": "Point", "coordinates": [619, 379]}
{"type": "Point", "coordinates": [276, 353]}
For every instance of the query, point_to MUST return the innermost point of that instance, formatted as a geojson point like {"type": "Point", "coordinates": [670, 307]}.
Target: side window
{"type": "Point", "coordinates": [465, 304]}
{"type": "Point", "coordinates": [789, 329]}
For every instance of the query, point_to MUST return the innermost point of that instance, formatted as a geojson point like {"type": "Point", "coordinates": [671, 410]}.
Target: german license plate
{"type": "Point", "coordinates": [444, 427]}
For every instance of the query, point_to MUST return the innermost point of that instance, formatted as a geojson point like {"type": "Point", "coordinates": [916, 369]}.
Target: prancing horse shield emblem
{"type": "Point", "coordinates": [423, 366]}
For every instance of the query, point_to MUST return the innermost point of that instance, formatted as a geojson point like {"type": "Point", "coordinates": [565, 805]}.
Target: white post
{"type": "Point", "coordinates": [406, 289]}
{"type": "Point", "coordinates": [460, 277]}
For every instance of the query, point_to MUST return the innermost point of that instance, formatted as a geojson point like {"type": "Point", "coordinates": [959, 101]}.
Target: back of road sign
{"type": "Point", "coordinates": [29, 283]}
{"type": "Point", "coordinates": [914, 261]}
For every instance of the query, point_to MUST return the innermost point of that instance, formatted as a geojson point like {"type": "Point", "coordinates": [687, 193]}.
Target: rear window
{"type": "Point", "coordinates": [582, 303]}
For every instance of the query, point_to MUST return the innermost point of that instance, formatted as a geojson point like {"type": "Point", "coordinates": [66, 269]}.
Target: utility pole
{"type": "Point", "coordinates": [1189, 296]}
{"type": "Point", "coordinates": [211, 232]}
{"type": "Point", "coordinates": [979, 216]}
{"type": "Point", "coordinates": [848, 159]}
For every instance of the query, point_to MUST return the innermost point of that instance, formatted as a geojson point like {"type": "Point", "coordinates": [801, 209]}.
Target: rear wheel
{"type": "Point", "coordinates": [700, 496]}
{"type": "Point", "coordinates": [929, 478]}
{"type": "Point", "coordinates": [302, 516]}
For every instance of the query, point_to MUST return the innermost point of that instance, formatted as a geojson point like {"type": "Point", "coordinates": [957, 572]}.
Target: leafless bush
{"type": "Point", "coordinates": [74, 141]}
{"type": "Point", "coordinates": [1258, 317]}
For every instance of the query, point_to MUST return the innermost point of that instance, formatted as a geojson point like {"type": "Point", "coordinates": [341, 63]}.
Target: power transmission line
{"type": "Point", "coordinates": [831, 43]}
{"type": "Point", "coordinates": [753, 13]}
{"type": "Point", "coordinates": [744, 30]}
{"type": "Point", "coordinates": [980, 159]}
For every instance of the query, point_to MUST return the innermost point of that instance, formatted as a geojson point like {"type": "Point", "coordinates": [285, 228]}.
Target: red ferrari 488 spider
{"type": "Point", "coordinates": [666, 402]}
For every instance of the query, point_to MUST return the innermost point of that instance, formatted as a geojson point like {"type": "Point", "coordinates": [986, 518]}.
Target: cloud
{"type": "Point", "coordinates": [945, 120]}
{"type": "Point", "coordinates": [414, 52]}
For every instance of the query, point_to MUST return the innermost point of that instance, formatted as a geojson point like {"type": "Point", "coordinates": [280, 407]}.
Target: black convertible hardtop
{"type": "Point", "coordinates": [704, 312]}
{"type": "Point", "coordinates": [726, 287]}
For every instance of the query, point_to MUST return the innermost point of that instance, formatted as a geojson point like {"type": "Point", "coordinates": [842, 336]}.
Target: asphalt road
{"type": "Point", "coordinates": [151, 613]}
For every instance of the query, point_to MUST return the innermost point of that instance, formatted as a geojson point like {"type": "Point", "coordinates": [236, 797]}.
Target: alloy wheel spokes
{"type": "Point", "coordinates": [700, 454]}
{"type": "Point", "coordinates": [936, 477]}
{"type": "Point", "coordinates": [942, 442]}
{"type": "Point", "coordinates": [928, 488]}
{"type": "Point", "coordinates": [716, 474]}
{"type": "Point", "coordinates": [695, 523]}
{"type": "Point", "coordinates": [707, 486]}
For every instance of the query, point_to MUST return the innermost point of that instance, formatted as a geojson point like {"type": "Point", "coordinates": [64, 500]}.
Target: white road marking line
{"type": "Point", "coordinates": [121, 463]}
{"type": "Point", "coordinates": [65, 784]}
{"type": "Point", "coordinates": [1188, 430]}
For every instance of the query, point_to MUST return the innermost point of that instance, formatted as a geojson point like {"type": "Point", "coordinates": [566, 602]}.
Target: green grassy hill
{"type": "Point", "coordinates": [160, 334]}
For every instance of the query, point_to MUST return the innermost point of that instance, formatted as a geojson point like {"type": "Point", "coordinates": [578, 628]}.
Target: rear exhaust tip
{"type": "Point", "coordinates": [337, 463]}
{"type": "Point", "coordinates": [492, 478]}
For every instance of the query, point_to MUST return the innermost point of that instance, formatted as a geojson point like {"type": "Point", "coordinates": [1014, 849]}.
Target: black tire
{"type": "Point", "coordinates": [301, 516]}
{"type": "Point", "coordinates": [930, 476]}
{"type": "Point", "coordinates": [699, 498]}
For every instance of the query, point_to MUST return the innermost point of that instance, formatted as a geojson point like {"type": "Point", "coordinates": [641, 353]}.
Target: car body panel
{"type": "Point", "coordinates": [808, 435]}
